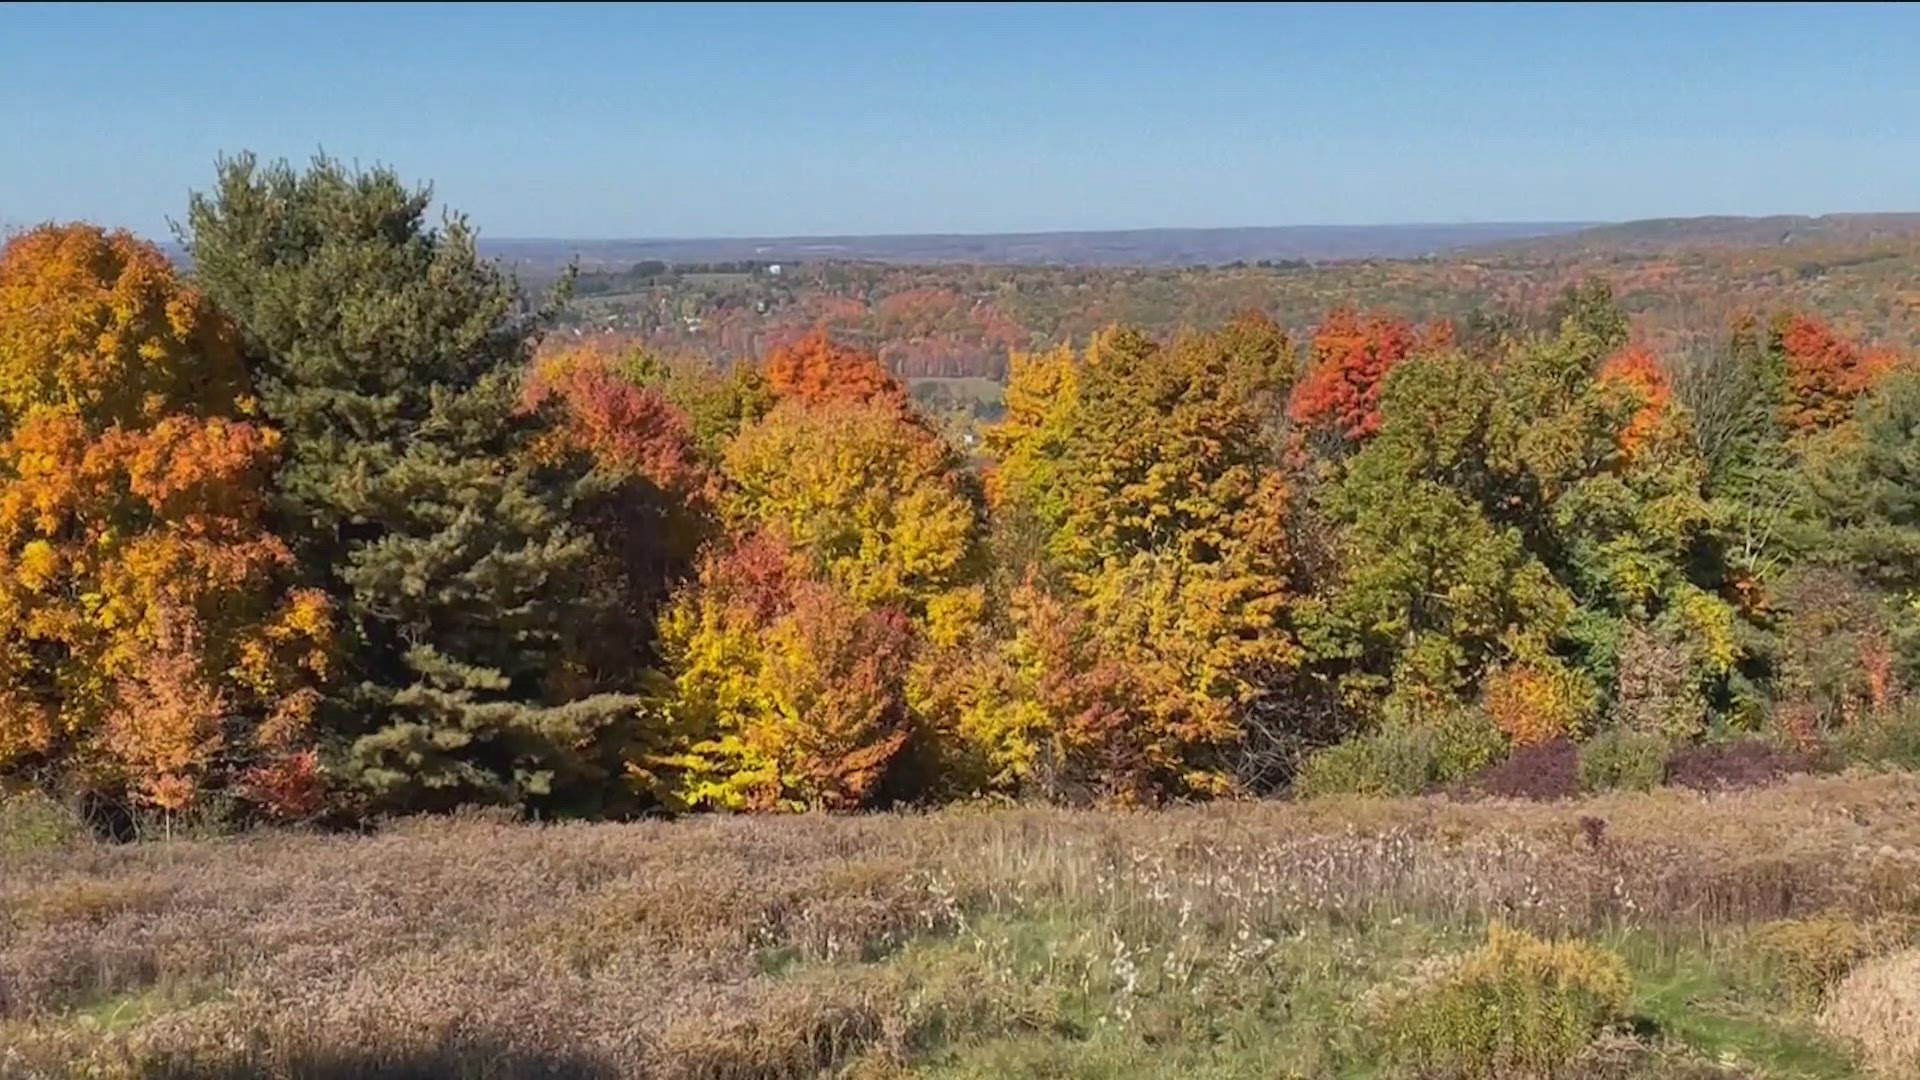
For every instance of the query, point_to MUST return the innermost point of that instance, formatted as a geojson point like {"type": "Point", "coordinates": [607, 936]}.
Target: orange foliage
{"type": "Point", "coordinates": [1532, 704]}
{"type": "Point", "coordinates": [798, 689]}
{"type": "Point", "coordinates": [837, 671]}
{"type": "Point", "coordinates": [814, 369]}
{"type": "Point", "coordinates": [623, 425]}
{"type": "Point", "coordinates": [1351, 355]}
{"type": "Point", "coordinates": [99, 320]}
{"type": "Point", "coordinates": [1825, 372]}
{"type": "Point", "coordinates": [1639, 372]}
{"type": "Point", "coordinates": [290, 787]}
{"type": "Point", "coordinates": [167, 715]}
{"type": "Point", "coordinates": [140, 622]}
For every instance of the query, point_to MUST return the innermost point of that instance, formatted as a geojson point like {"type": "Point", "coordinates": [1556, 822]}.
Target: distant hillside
{"type": "Point", "coordinates": [1680, 281]}
{"type": "Point", "coordinates": [1131, 247]}
{"type": "Point", "coordinates": [1665, 235]}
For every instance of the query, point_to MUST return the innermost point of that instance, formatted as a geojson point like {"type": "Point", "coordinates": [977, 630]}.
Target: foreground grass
{"type": "Point", "coordinates": [1223, 941]}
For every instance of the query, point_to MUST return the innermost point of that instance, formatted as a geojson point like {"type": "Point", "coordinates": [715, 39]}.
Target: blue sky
{"type": "Point", "coordinates": [602, 121]}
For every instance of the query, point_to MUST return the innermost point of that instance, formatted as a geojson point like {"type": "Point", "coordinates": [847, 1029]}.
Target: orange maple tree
{"type": "Point", "coordinates": [815, 369]}
{"type": "Point", "coordinates": [147, 640]}
{"type": "Point", "coordinates": [1638, 371]}
{"type": "Point", "coordinates": [1825, 372]}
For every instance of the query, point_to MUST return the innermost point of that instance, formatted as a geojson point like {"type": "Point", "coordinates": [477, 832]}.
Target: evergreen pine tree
{"type": "Point", "coordinates": [391, 357]}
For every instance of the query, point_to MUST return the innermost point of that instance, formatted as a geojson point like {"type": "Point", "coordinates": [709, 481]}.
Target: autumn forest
{"type": "Point", "coordinates": [328, 524]}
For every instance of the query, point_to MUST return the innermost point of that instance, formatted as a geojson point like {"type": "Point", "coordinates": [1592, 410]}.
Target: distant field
{"type": "Point", "coordinates": [1681, 281]}
{"type": "Point", "coordinates": [1244, 940]}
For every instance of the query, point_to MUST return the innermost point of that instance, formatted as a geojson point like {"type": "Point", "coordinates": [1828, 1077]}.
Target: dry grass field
{"type": "Point", "coordinates": [1758, 931]}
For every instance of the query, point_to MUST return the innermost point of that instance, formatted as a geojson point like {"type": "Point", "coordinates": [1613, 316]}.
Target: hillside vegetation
{"type": "Point", "coordinates": [1683, 282]}
{"type": "Point", "coordinates": [329, 569]}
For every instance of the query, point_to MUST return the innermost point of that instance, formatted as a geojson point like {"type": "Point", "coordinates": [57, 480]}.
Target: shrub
{"type": "Point", "coordinates": [1549, 770]}
{"type": "Point", "coordinates": [1735, 763]}
{"type": "Point", "coordinates": [1805, 957]}
{"type": "Point", "coordinates": [1876, 1010]}
{"type": "Point", "coordinates": [1466, 741]}
{"type": "Point", "coordinates": [1518, 1006]}
{"type": "Point", "coordinates": [1891, 738]}
{"type": "Point", "coordinates": [1622, 758]}
{"type": "Point", "coordinates": [1658, 689]}
{"type": "Point", "coordinates": [1395, 760]}
{"type": "Point", "coordinates": [1403, 757]}
{"type": "Point", "coordinates": [30, 820]}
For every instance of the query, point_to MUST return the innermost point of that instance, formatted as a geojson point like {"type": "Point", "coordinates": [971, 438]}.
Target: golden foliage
{"type": "Point", "coordinates": [140, 615]}
{"type": "Point", "coordinates": [1536, 702]}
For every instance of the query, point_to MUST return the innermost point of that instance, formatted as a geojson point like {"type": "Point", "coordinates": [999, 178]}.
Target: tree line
{"type": "Point", "coordinates": [324, 530]}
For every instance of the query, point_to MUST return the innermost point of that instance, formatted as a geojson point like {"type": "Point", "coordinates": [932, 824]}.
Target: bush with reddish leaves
{"type": "Point", "coordinates": [1737, 763]}
{"type": "Point", "coordinates": [1546, 770]}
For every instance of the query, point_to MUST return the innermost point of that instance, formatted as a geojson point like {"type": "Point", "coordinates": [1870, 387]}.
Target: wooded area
{"type": "Point", "coordinates": [324, 530]}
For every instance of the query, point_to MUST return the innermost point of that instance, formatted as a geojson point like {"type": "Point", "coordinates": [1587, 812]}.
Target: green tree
{"type": "Point", "coordinates": [1513, 515]}
{"type": "Point", "coordinates": [1863, 482]}
{"type": "Point", "coordinates": [391, 357]}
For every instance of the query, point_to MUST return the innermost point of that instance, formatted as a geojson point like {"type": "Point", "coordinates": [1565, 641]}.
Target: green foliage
{"type": "Point", "coordinates": [31, 820]}
{"type": "Point", "coordinates": [1623, 758]}
{"type": "Point", "coordinates": [1887, 738]}
{"type": "Point", "coordinates": [1397, 760]}
{"type": "Point", "coordinates": [1864, 485]}
{"type": "Point", "coordinates": [1518, 1006]}
{"type": "Point", "coordinates": [1430, 587]}
{"type": "Point", "coordinates": [390, 355]}
{"type": "Point", "coordinates": [1404, 757]}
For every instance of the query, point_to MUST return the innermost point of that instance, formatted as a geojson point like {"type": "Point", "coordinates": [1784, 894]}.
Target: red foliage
{"type": "Point", "coordinates": [814, 369]}
{"type": "Point", "coordinates": [1825, 372]}
{"type": "Point", "coordinates": [753, 577]}
{"type": "Point", "coordinates": [622, 424]}
{"type": "Point", "coordinates": [1352, 354]}
{"type": "Point", "coordinates": [1543, 771]}
{"type": "Point", "coordinates": [1735, 764]}
{"type": "Point", "coordinates": [289, 788]}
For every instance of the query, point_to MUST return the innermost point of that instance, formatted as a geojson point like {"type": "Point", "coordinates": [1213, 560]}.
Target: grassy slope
{"type": "Point", "coordinates": [1217, 941]}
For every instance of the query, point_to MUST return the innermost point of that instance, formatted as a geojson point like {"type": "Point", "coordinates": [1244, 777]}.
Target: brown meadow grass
{"type": "Point", "coordinates": [776, 947]}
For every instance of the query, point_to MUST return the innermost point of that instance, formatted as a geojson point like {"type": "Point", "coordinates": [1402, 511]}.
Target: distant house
{"type": "Point", "coordinates": [774, 269]}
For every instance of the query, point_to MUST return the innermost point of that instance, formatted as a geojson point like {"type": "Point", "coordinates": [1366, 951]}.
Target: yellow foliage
{"type": "Point", "coordinates": [791, 692]}
{"type": "Point", "coordinates": [1042, 392]}
{"type": "Point", "coordinates": [1711, 630]}
{"type": "Point", "coordinates": [139, 607]}
{"type": "Point", "coordinates": [1518, 1006]}
{"type": "Point", "coordinates": [871, 498]}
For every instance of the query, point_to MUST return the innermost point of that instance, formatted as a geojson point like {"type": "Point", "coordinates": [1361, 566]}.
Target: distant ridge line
{"type": "Point", "coordinates": [1115, 247]}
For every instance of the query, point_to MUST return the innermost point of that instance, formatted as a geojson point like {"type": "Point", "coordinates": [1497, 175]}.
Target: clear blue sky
{"type": "Point", "coordinates": [711, 121]}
